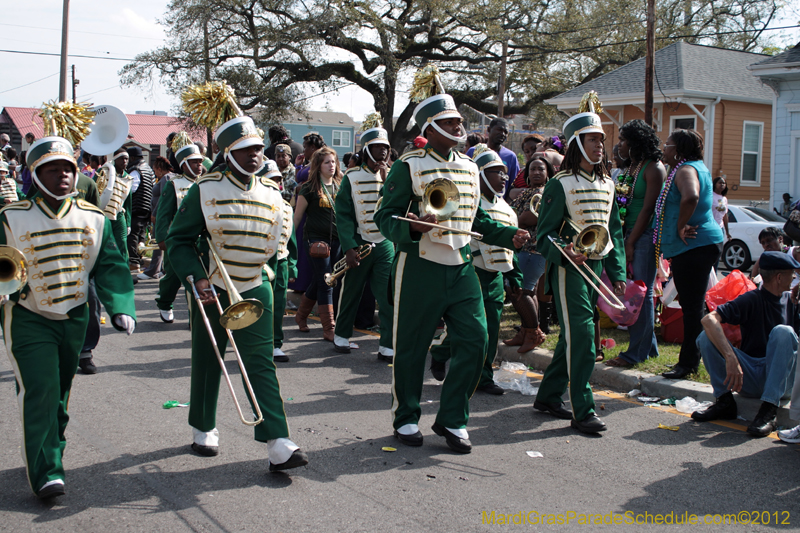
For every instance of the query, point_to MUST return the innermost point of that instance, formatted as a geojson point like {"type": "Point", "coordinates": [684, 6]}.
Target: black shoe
{"type": "Point", "coordinates": [385, 358]}
{"type": "Point", "coordinates": [206, 451]}
{"type": "Point", "coordinates": [280, 358]}
{"type": "Point", "coordinates": [764, 422]}
{"type": "Point", "coordinates": [724, 408]}
{"type": "Point", "coordinates": [457, 444]}
{"type": "Point", "coordinates": [556, 409]}
{"type": "Point", "coordinates": [409, 440]}
{"type": "Point", "coordinates": [341, 349]}
{"type": "Point", "coordinates": [492, 388]}
{"type": "Point", "coordinates": [437, 369]}
{"type": "Point", "coordinates": [298, 458]}
{"type": "Point", "coordinates": [678, 372]}
{"type": "Point", "coordinates": [51, 491]}
{"type": "Point", "coordinates": [590, 424]}
{"type": "Point", "coordinates": [87, 365]}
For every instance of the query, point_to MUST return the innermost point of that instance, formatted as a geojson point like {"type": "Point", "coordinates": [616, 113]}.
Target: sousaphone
{"type": "Point", "coordinates": [109, 133]}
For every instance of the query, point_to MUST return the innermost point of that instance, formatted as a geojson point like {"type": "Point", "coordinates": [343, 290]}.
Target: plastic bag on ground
{"type": "Point", "coordinates": [508, 378]}
{"type": "Point", "coordinates": [632, 300]}
{"type": "Point", "coordinates": [689, 405]}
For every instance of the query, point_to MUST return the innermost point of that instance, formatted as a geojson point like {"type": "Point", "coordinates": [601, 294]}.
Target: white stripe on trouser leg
{"type": "Point", "coordinates": [7, 307]}
{"type": "Point", "coordinates": [442, 337]}
{"type": "Point", "coordinates": [562, 295]}
{"type": "Point", "coordinates": [398, 283]}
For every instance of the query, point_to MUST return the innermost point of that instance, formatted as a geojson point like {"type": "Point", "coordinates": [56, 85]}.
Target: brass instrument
{"type": "Point", "coordinates": [148, 246]}
{"type": "Point", "coordinates": [13, 272]}
{"type": "Point", "coordinates": [534, 204]}
{"type": "Point", "coordinates": [442, 199]}
{"type": "Point", "coordinates": [341, 265]}
{"type": "Point", "coordinates": [590, 242]}
{"type": "Point", "coordinates": [240, 313]}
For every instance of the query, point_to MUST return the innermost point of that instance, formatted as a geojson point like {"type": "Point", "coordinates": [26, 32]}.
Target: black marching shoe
{"type": "Point", "coordinates": [493, 389]}
{"type": "Point", "coordinates": [456, 443]}
{"type": "Point", "coordinates": [556, 409]}
{"type": "Point", "coordinates": [723, 409]}
{"type": "Point", "coordinates": [51, 491]}
{"type": "Point", "coordinates": [206, 451]}
{"type": "Point", "coordinates": [341, 349]}
{"type": "Point", "coordinates": [409, 440]}
{"type": "Point", "coordinates": [437, 370]}
{"type": "Point", "coordinates": [385, 358]}
{"type": "Point", "coordinates": [678, 372]}
{"type": "Point", "coordinates": [298, 458]}
{"type": "Point", "coordinates": [590, 424]}
{"type": "Point", "coordinates": [87, 366]}
{"type": "Point", "coordinates": [764, 422]}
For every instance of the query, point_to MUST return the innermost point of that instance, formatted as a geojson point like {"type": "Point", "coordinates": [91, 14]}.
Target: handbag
{"type": "Point", "coordinates": [792, 226]}
{"type": "Point", "coordinates": [321, 249]}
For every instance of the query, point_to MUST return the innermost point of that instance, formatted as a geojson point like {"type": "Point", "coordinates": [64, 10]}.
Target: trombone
{"type": "Point", "coordinates": [13, 272]}
{"type": "Point", "coordinates": [341, 265]}
{"type": "Point", "coordinates": [441, 198]}
{"type": "Point", "coordinates": [588, 242]}
{"type": "Point", "coordinates": [239, 314]}
{"type": "Point", "coordinates": [535, 203]}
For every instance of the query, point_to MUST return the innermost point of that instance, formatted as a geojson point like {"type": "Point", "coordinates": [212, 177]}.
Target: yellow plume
{"type": "Point", "coordinates": [590, 103]}
{"type": "Point", "coordinates": [373, 120]}
{"type": "Point", "coordinates": [180, 140]}
{"type": "Point", "coordinates": [210, 104]}
{"type": "Point", "coordinates": [479, 149]}
{"type": "Point", "coordinates": [426, 83]}
{"type": "Point", "coordinates": [67, 120]}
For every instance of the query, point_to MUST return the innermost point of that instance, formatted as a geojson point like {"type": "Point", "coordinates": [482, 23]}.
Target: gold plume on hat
{"type": "Point", "coordinates": [210, 104]}
{"type": "Point", "coordinates": [426, 83]}
{"type": "Point", "coordinates": [479, 149]}
{"type": "Point", "coordinates": [590, 103]}
{"type": "Point", "coordinates": [180, 140]}
{"type": "Point", "coordinates": [373, 120]}
{"type": "Point", "coordinates": [67, 120]}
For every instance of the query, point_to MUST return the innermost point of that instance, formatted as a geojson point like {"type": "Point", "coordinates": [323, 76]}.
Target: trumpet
{"type": "Point", "coordinates": [441, 199]}
{"type": "Point", "coordinates": [148, 246]}
{"type": "Point", "coordinates": [13, 272]}
{"type": "Point", "coordinates": [587, 243]}
{"type": "Point", "coordinates": [534, 204]}
{"type": "Point", "coordinates": [341, 265]}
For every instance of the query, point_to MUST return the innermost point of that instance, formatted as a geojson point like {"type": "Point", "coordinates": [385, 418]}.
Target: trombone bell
{"type": "Point", "coordinates": [240, 313]}
{"type": "Point", "coordinates": [13, 273]}
{"type": "Point", "coordinates": [441, 198]}
{"type": "Point", "coordinates": [592, 241]}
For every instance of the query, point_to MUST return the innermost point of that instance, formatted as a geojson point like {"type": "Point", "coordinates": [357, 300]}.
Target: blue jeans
{"type": "Point", "coordinates": [318, 290]}
{"type": "Point", "coordinates": [532, 267]}
{"type": "Point", "coordinates": [643, 338]}
{"type": "Point", "coordinates": [769, 378]}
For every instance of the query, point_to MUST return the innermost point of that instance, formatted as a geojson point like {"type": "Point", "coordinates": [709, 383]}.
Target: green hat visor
{"type": "Point", "coordinates": [190, 151]}
{"type": "Point", "coordinates": [582, 123]}
{"type": "Point", "coordinates": [238, 133]}
{"type": "Point", "coordinates": [375, 136]}
{"type": "Point", "coordinates": [436, 107]}
{"type": "Point", "coordinates": [49, 149]}
{"type": "Point", "coordinates": [489, 159]}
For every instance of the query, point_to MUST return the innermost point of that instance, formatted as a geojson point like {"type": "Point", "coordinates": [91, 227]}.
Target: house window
{"type": "Point", "coordinates": [341, 138]}
{"type": "Point", "coordinates": [683, 123]}
{"type": "Point", "coordinates": [751, 152]}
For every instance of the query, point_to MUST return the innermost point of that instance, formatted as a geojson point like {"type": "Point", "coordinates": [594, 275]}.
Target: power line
{"type": "Point", "coordinates": [31, 83]}
{"type": "Point", "coordinates": [79, 31]}
{"type": "Point", "coordinates": [102, 90]}
{"type": "Point", "coordinates": [59, 55]}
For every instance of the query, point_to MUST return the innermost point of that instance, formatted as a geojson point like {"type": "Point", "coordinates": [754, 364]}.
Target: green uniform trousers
{"type": "Point", "coordinates": [119, 228]}
{"type": "Point", "coordinates": [493, 296]}
{"type": "Point", "coordinates": [44, 355]}
{"type": "Point", "coordinates": [574, 357]}
{"type": "Point", "coordinates": [377, 268]}
{"type": "Point", "coordinates": [168, 287]}
{"type": "Point", "coordinates": [424, 292]}
{"type": "Point", "coordinates": [255, 347]}
{"type": "Point", "coordinates": [280, 287]}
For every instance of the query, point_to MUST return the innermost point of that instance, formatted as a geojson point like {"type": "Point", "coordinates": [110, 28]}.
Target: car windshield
{"type": "Point", "coordinates": [765, 214]}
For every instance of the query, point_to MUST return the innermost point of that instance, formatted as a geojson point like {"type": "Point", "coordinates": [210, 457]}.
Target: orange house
{"type": "Point", "coordinates": [700, 87]}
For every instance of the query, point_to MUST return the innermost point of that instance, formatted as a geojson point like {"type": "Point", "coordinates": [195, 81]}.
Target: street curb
{"type": "Point", "coordinates": [623, 380]}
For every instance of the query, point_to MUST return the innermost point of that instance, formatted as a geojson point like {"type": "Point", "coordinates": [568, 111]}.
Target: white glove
{"type": "Point", "coordinates": [129, 230]}
{"type": "Point", "coordinates": [125, 322]}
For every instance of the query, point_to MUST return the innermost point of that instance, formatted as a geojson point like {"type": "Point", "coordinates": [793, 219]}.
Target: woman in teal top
{"type": "Point", "coordinates": [636, 195]}
{"type": "Point", "coordinates": [687, 234]}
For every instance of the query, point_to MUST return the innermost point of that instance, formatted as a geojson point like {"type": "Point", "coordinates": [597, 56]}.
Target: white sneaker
{"type": "Point", "coordinates": [144, 277]}
{"type": "Point", "coordinates": [791, 436]}
{"type": "Point", "coordinates": [167, 316]}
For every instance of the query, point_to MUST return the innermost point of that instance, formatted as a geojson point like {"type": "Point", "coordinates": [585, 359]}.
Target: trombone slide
{"type": "Point", "coordinates": [439, 226]}
{"type": "Point", "coordinates": [616, 303]}
{"type": "Point", "coordinates": [245, 379]}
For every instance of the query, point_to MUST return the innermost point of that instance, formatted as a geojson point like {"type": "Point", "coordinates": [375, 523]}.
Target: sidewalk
{"type": "Point", "coordinates": [623, 380]}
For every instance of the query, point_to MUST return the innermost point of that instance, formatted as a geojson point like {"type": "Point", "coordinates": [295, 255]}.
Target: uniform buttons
{"type": "Point", "coordinates": [422, 252]}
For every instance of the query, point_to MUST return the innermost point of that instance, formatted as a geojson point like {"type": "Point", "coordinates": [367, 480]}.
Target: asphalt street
{"type": "Point", "coordinates": [129, 465]}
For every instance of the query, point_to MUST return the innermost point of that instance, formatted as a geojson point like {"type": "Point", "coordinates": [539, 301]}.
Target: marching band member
{"type": "Point", "coordinates": [433, 275]}
{"type": "Point", "coordinates": [65, 242]}
{"type": "Point", "coordinates": [355, 208]}
{"type": "Point", "coordinates": [286, 269]}
{"type": "Point", "coordinates": [188, 156]}
{"type": "Point", "coordinates": [583, 194]}
{"type": "Point", "coordinates": [243, 219]}
{"type": "Point", "coordinates": [492, 265]}
{"type": "Point", "coordinates": [9, 190]}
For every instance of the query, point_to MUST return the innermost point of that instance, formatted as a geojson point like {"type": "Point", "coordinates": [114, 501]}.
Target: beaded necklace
{"type": "Point", "coordinates": [662, 198]}
{"type": "Point", "coordinates": [624, 190]}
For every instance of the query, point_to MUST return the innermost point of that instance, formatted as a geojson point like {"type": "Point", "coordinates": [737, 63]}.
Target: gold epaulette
{"type": "Point", "coordinates": [19, 204]}
{"type": "Point", "coordinates": [88, 206]}
{"type": "Point", "coordinates": [419, 152]}
{"type": "Point", "coordinates": [563, 174]}
{"type": "Point", "coordinates": [268, 182]}
{"type": "Point", "coordinates": [213, 176]}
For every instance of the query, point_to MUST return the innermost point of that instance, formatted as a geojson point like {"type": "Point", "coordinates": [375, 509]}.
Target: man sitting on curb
{"type": "Point", "coordinates": [765, 365]}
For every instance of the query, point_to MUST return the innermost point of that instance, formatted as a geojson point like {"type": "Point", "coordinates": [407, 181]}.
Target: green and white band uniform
{"type": "Point", "coordinates": [118, 210]}
{"type": "Point", "coordinates": [172, 194]}
{"type": "Point", "coordinates": [492, 265]}
{"type": "Point", "coordinates": [571, 202]}
{"type": "Point", "coordinates": [355, 210]}
{"type": "Point", "coordinates": [433, 277]}
{"type": "Point", "coordinates": [44, 323]}
{"type": "Point", "coordinates": [9, 190]}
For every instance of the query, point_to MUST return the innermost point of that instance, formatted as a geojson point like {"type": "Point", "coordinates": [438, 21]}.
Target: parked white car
{"type": "Point", "coordinates": [744, 225]}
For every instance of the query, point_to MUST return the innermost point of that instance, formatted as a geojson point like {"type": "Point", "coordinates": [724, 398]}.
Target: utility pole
{"type": "Point", "coordinates": [650, 62]}
{"type": "Point", "coordinates": [62, 85]}
{"type": "Point", "coordinates": [74, 85]}
{"type": "Point", "coordinates": [501, 86]}
{"type": "Point", "coordinates": [207, 74]}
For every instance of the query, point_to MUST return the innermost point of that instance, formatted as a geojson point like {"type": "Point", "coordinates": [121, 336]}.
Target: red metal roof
{"type": "Point", "coordinates": [144, 129]}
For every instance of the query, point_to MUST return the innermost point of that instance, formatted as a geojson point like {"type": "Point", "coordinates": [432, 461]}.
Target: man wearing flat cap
{"type": "Point", "coordinates": [764, 366]}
